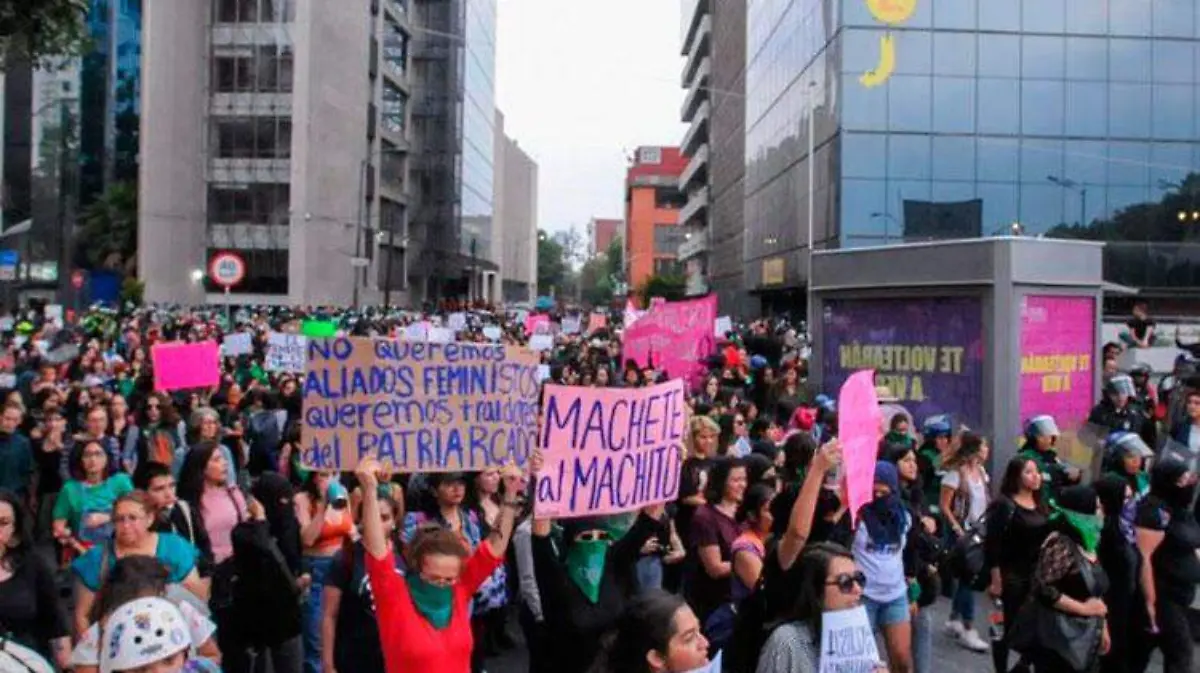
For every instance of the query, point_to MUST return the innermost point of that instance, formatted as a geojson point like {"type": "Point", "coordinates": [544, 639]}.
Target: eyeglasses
{"type": "Point", "coordinates": [845, 582]}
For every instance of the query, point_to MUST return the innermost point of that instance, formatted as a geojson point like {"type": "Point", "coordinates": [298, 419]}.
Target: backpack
{"type": "Point", "coordinates": [264, 435]}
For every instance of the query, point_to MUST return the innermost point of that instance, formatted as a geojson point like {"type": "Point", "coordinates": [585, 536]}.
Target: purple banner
{"type": "Point", "coordinates": [927, 352]}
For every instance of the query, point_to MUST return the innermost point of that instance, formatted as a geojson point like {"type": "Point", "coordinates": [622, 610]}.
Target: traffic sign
{"type": "Point", "coordinates": [227, 269]}
{"type": "Point", "coordinates": [77, 279]}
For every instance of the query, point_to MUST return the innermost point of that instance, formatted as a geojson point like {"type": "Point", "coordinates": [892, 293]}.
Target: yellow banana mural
{"type": "Point", "coordinates": [887, 64]}
{"type": "Point", "coordinates": [891, 13]}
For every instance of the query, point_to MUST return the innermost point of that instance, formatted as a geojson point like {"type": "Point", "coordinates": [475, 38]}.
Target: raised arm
{"type": "Point", "coordinates": [828, 457]}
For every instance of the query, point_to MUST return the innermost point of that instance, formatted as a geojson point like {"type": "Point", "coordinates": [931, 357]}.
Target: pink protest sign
{"type": "Point", "coordinates": [597, 321]}
{"type": "Point", "coordinates": [858, 430]}
{"type": "Point", "coordinates": [536, 321]}
{"type": "Point", "coordinates": [676, 336]}
{"type": "Point", "coordinates": [179, 365]}
{"type": "Point", "coordinates": [1058, 345]}
{"type": "Point", "coordinates": [607, 451]}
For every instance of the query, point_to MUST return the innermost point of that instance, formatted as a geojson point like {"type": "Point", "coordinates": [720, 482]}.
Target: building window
{"type": "Point", "coordinates": [667, 238]}
{"type": "Point", "coordinates": [253, 137]}
{"type": "Point", "coordinates": [255, 203]}
{"type": "Point", "coordinates": [669, 198]}
{"type": "Point", "coordinates": [267, 70]}
{"type": "Point", "coordinates": [392, 112]}
{"type": "Point", "coordinates": [391, 217]}
{"type": "Point", "coordinates": [668, 267]}
{"type": "Point", "coordinates": [255, 11]}
{"type": "Point", "coordinates": [395, 47]}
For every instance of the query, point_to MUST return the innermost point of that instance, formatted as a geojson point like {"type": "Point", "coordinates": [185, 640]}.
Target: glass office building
{"type": "Point", "coordinates": [1037, 113]}
{"type": "Point", "coordinates": [479, 118]}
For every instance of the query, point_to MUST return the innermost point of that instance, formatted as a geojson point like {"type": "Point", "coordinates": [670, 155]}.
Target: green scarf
{"type": "Point", "coordinates": [585, 566]}
{"type": "Point", "coordinates": [433, 602]}
{"type": "Point", "coordinates": [1087, 525]}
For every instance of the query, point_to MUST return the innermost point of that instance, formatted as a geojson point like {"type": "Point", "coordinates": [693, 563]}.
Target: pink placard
{"type": "Point", "coordinates": [597, 321]}
{"type": "Point", "coordinates": [535, 320]}
{"type": "Point", "coordinates": [1058, 347]}
{"type": "Point", "coordinates": [676, 336]}
{"type": "Point", "coordinates": [179, 365]}
{"type": "Point", "coordinates": [608, 450]}
{"type": "Point", "coordinates": [859, 432]}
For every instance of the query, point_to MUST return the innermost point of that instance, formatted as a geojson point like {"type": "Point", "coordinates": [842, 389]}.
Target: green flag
{"type": "Point", "coordinates": [318, 329]}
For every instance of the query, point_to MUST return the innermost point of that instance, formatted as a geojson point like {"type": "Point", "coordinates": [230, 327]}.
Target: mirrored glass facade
{"type": "Point", "coordinates": [479, 118]}
{"type": "Point", "coordinates": [1037, 112]}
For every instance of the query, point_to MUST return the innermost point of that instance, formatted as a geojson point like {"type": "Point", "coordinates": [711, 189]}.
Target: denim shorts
{"type": "Point", "coordinates": [886, 614]}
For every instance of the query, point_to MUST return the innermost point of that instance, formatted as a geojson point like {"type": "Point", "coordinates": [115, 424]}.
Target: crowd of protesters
{"type": "Point", "coordinates": [150, 531]}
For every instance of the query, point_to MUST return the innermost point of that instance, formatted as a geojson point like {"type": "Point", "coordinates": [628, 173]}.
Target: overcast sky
{"type": "Point", "coordinates": [581, 83]}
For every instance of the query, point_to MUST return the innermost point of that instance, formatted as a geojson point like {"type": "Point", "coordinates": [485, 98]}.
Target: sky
{"type": "Point", "coordinates": [581, 84]}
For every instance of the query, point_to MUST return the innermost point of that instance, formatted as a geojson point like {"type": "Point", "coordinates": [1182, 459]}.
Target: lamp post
{"type": "Point", "coordinates": [1067, 183]}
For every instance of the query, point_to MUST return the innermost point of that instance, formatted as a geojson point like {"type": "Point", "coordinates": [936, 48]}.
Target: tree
{"type": "Point", "coordinates": [132, 291]}
{"type": "Point", "coordinates": [1151, 221]}
{"type": "Point", "coordinates": [671, 287]}
{"type": "Point", "coordinates": [37, 30]}
{"type": "Point", "coordinates": [615, 258]}
{"type": "Point", "coordinates": [109, 234]}
{"type": "Point", "coordinates": [595, 283]}
{"type": "Point", "coordinates": [551, 264]}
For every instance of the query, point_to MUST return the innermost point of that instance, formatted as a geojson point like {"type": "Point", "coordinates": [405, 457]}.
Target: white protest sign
{"type": "Point", "coordinates": [543, 373]}
{"type": "Point", "coordinates": [417, 331]}
{"type": "Point", "coordinates": [457, 321]}
{"type": "Point", "coordinates": [571, 324]}
{"type": "Point", "coordinates": [440, 335]}
{"type": "Point", "coordinates": [848, 643]}
{"type": "Point", "coordinates": [492, 333]}
{"type": "Point", "coordinates": [53, 314]}
{"type": "Point", "coordinates": [541, 342]}
{"type": "Point", "coordinates": [240, 343]}
{"type": "Point", "coordinates": [286, 352]}
{"type": "Point", "coordinates": [722, 326]}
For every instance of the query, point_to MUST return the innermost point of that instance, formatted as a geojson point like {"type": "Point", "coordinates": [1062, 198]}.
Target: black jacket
{"type": "Point", "coordinates": [266, 597]}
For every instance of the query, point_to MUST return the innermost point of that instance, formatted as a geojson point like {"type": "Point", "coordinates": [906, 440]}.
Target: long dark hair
{"type": "Point", "coordinates": [131, 577]}
{"type": "Point", "coordinates": [647, 625]}
{"type": "Point", "coordinates": [191, 477]}
{"type": "Point", "coordinates": [1010, 485]}
{"type": "Point", "coordinates": [813, 568]}
{"type": "Point", "coordinates": [21, 545]}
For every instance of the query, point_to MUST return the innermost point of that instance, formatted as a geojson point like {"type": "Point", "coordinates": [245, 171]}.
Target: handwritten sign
{"type": "Point", "coordinates": [858, 429]}
{"type": "Point", "coordinates": [537, 323]}
{"type": "Point", "coordinates": [286, 352]}
{"type": "Point", "coordinates": [541, 342]}
{"type": "Point", "coordinates": [240, 343]}
{"type": "Point", "coordinates": [722, 327]}
{"type": "Point", "coordinates": [418, 407]}
{"type": "Point", "coordinates": [608, 451]}
{"type": "Point", "coordinates": [179, 365]}
{"type": "Point", "coordinates": [847, 642]}
{"type": "Point", "coordinates": [675, 336]}
{"type": "Point", "coordinates": [571, 324]}
{"type": "Point", "coordinates": [596, 322]}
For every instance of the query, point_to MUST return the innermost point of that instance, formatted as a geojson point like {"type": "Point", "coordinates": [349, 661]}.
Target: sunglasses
{"type": "Point", "coordinates": [845, 582]}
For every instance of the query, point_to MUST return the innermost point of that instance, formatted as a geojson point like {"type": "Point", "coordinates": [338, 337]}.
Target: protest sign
{"type": "Point", "coordinates": [847, 642]}
{"type": "Point", "coordinates": [543, 373]}
{"type": "Point", "coordinates": [722, 327]}
{"type": "Point", "coordinates": [571, 324]}
{"type": "Point", "coordinates": [237, 344]}
{"type": "Point", "coordinates": [457, 321]}
{"type": "Point", "coordinates": [286, 352]}
{"type": "Point", "coordinates": [675, 337]}
{"type": "Point", "coordinates": [597, 321]}
{"type": "Point", "coordinates": [418, 407]}
{"type": "Point", "coordinates": [179, 365]}
{"type": "Point", "coordinates": [318, 329]}
{"type": "Point", "coordinates": [541, 342]}
{"type": "Point", "coordinates": [417, 331]}
{"type": "Point", "coordinates": [859, 432]}
{"type": "Point", "coordinates": [440, 335]}
{"type": "Point", "coordinates": [491, 333]}
{"type": "Point", "coordinates": [537, 323]}
{"type": "Point", "coordinates": [608, 451]}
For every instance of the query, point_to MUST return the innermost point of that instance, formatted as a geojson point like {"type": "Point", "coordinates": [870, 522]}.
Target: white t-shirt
{"type": "Point", "coordinates": [87, 650]}
{"type": "Point", "coordinates": [977, 489]}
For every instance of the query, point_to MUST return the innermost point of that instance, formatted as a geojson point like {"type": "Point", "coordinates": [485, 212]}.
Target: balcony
{"type": "Point", "coordinates": [693, 12]}
{"type": "Point", "coordinates": [696, 173]}
{"type": "Point", "coordinates": [694, 212]}
{"type": "Point", "coordinates": [700, 51]}
{"type": "Point", "coordinates": [697, 133]}
{"type": "Point", "coordinates": [695, 245]}
{"type": "Point", "coordinates": [698, 94]}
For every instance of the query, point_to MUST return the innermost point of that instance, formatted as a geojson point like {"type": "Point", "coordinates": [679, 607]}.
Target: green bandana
{"type": "Point", "coordinates": [1087, 525]}
{"type": "Point", "coordinates": [585, 566]}
{"type": "Point", "coordinates": [433, 602]}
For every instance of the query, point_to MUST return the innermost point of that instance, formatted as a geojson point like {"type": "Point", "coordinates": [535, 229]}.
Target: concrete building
{"type": "Point", "coordinates": [516, 202]}
{"type": "Point", "coordinates": [652, 209]}
{"type": "Point", "coordinates": [713, 37]}
{"type": "Point", "coordinates": [602, 232]}
{"type": "Point", "coordinates": [947, 118]}
{"type": "Point", "coordinates": [332, 145]}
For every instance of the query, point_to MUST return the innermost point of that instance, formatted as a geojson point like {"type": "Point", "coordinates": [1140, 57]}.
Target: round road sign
{"type": "Point", "coordinates": [227, 269]}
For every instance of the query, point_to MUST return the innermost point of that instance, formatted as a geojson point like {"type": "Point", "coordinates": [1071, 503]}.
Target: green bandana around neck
{"type": "Point", "coordinates": [433, 602]}
{"type": "Point", "coordinates": [1087, 525]}
{"type": "Point", "coordinates": [585, 566]}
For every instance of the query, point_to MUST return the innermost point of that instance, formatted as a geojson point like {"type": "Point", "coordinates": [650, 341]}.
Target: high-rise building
{"type": "Point", "coordinates": [653, 203]}
{"type": "Point", "coordinates": [713, 35]}
{"type": "Point", "coordinates": [951, 118]}
{"type": "Point", "coordinates": [601, 233]}
{"type": "Point", "coordinates": [516, 223]}
{"type": "Point", "coordinates": [339, 148]}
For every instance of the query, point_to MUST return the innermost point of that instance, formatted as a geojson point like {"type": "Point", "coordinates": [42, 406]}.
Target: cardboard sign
{"type": "Point", "coordinates": [723, 326]}
{"type": "Point", "coordinates": [286, 352]}
{"type": "Point", "coordinates": [859, 431]}
{"type": "Point", "coordinates": [608, 450]}
{"type": "Point", "coordinates": [675, 336]}
{"type": "Point", "coordinates": [847, 642]}
{"type": "Point", "coordinates": [318, 329]}
{"type": "Point", "coordinates": [241, 343]}
{"type": "Point", "coordinates": [571, 324]}
{"type": "Point", "coordinates": [418, 407]}
{"type": "Point", "coordinates": [178, 365]}
{"type": "Point", "coordinates": [597, 321]}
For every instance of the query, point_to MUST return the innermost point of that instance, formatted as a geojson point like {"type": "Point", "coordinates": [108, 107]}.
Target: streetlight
{"type": "Point", "coordinates": [1067, 183]}
{"type": "Point", "coordinates": [887, 236]}
{"type": "Point", "coordinates": [1183, 215]}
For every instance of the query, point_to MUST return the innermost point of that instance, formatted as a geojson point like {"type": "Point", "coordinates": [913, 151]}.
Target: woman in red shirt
{"type": "Point", "coordinates": [423, 617]}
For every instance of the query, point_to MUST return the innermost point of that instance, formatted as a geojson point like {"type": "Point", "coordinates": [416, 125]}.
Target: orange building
{"type": "Point", "coordinates": [652, 203]}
